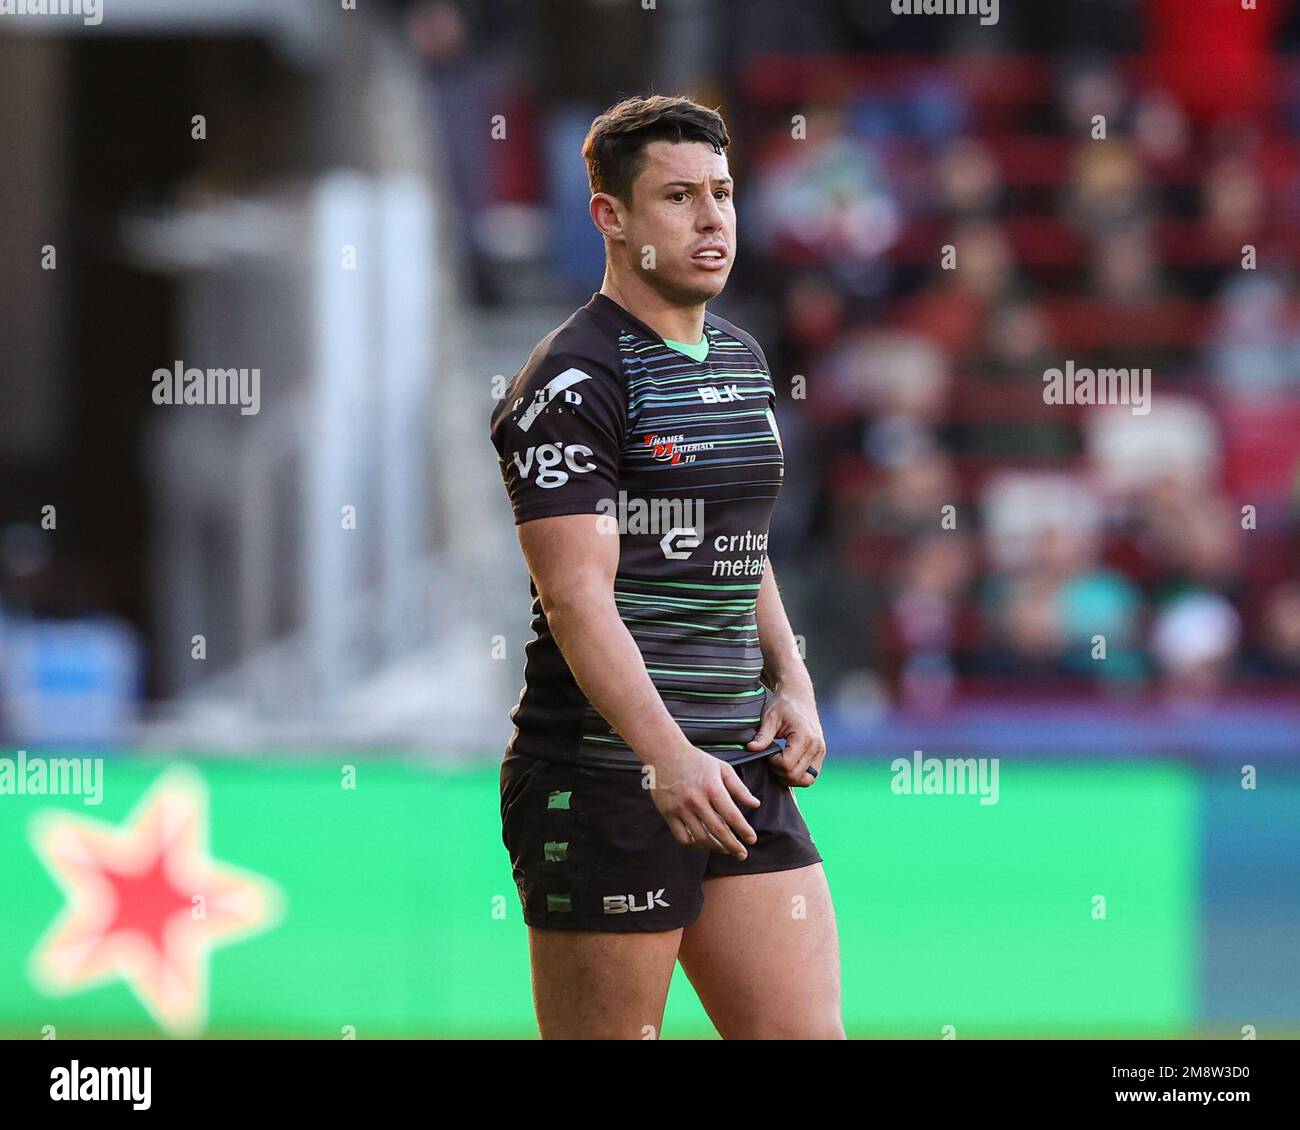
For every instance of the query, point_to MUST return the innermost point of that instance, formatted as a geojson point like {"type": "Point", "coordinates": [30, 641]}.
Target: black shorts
{"type": "Point", "coordinates": [590, 851]}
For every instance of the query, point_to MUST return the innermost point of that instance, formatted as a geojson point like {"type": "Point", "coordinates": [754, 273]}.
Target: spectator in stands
{"type": "Point", "coordinates": [822, 199]}
{"type": "Point", "coordinates": [1194, 640]}
{"type": "Point", "coordinates": [1275, 652]}
{"type": "Point", "coordinates": [1253, 341]}
{"type": "Point", "coordinates": [955, 310]}
{"type": "Point", "coordinates": [924, 629]}
{"type": "Point", "coordinates": [969, 181]}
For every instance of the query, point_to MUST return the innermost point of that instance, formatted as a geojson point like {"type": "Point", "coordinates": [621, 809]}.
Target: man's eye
{"type": "Point", "coordinates": [676, 194]}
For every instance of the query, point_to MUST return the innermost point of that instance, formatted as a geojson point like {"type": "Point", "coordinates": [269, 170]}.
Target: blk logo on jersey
{"type": "Point", "coordinates": [547, 459]}
{"type": "Point", "coordinates": [561, 385]}
{"type": "Point", "coordinates": [711, 394]}
{"type": "Point", "coordinates": [626, 904]}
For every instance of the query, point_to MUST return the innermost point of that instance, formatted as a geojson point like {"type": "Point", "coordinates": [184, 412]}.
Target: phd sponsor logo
{"type": "Point", "coordinates": [627, 904]}
{"type": "Point", "coordinates": [553, 463]}
{"type": "Point", "coordinates": [558, 387]}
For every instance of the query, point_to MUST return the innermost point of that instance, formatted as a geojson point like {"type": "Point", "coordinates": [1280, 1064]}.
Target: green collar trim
{"type": "Point", "coordinates": [697, 352]}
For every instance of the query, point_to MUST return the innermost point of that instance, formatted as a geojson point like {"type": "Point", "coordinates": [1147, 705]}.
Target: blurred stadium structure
{"type": "Point", "coordinates": [353, 224]}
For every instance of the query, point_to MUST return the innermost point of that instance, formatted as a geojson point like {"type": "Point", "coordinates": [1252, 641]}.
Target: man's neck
{"type": "Point", "coordinates": [669, 321]}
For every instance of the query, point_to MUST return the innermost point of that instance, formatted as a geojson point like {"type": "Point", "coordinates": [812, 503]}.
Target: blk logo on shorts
{"type": "Point", "coordinates": [626, 904]}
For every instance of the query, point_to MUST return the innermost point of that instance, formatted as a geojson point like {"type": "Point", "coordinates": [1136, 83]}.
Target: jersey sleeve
{"type": "Point", "coordinates": [559, 436]}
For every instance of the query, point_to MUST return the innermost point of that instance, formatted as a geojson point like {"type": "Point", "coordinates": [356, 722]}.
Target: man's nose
{"type": "Point", "coordinates": [710, 216]}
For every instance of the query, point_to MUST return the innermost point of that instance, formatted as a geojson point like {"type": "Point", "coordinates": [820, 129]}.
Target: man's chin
{"type": "Point", "coordinates": [696, 292]}
{"type": "Point", "coordinates": [686, 291]}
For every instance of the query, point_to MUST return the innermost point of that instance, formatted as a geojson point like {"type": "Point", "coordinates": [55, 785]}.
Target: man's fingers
{"type": "Point", "coordinates": [680, 832]}
{"type": "Point", "coordinates": [726, 808]}
{"type": "Point", "coordinates": [723, 835]}
{"type": "Point", "coordinates": [794, 771]}
{"type": "Point", "coordinates": [702, 837]}
{"type": "Point", "coordinates": [780, 762]}
{"type": "Point", "coordinates": [797, 748]}
{"type": "Point", "coordinates": [800, 749]}
{"type": "Point", "coordinates": [766, 731]}
{"type": "Point", "coordinates": [736, 787]}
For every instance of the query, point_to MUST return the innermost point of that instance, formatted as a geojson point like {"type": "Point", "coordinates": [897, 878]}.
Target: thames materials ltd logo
{"type": "Point", "coordinates": [671, 449]}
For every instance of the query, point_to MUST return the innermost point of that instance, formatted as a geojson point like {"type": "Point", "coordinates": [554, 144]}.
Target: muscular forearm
{"type": "Point", "coordinates": [783, 665]}
{"type": "Point", "coordinates": [609, 669]}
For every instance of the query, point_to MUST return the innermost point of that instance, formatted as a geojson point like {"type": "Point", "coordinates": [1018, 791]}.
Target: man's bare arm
{"type": "Point", "coordinates": [791, 712]}
{"type": "Point", "coordinates": [783, 665]}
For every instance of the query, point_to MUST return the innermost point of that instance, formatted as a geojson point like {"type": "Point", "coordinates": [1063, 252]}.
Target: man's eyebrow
{"type": "Point", "coordinates": [695, 183]}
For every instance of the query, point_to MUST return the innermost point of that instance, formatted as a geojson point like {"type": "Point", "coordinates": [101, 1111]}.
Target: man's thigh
{"type": "Point", "coordinates": [764, 956]}
{"type": "Point", "coordinates": [589, 985]}
{"type": "Point", "coordinates": [764, 953]}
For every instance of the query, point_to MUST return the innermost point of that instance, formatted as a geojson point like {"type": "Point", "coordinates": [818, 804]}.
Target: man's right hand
{"type": "Point", "coordinates": [696, 794]}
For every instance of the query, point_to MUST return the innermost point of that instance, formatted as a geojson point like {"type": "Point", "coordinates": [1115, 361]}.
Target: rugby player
{"type": "Point", "coordinates": [646, 802]}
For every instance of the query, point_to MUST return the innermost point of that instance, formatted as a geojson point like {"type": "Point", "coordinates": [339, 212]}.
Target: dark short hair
{"type": "Point", "coordinates": [615, 146]}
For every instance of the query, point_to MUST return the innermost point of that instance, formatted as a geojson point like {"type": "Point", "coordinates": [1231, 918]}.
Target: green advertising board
{"type": "Point", "coordinates": [371, 898]}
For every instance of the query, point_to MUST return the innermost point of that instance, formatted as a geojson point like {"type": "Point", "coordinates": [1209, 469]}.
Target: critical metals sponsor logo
{"type": "Point", "coordinates": [751, 549]}
{"type": "Point", "coordinates": [671, 449]}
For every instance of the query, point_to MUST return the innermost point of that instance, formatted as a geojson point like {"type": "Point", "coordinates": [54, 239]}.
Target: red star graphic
{"type": "Point", "coordinates": [146, 903]}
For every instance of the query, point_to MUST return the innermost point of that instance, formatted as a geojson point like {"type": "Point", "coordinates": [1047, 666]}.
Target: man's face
{"type": "Point", "coordinates": [681, 227]}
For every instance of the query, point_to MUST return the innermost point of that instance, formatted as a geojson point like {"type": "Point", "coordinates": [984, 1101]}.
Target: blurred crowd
{"type": "Point", "coordinates": [1086, 546]}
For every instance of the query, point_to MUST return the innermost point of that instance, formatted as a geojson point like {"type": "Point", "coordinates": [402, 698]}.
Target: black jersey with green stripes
{"type": "Point", "coordinates": [676, 447]}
